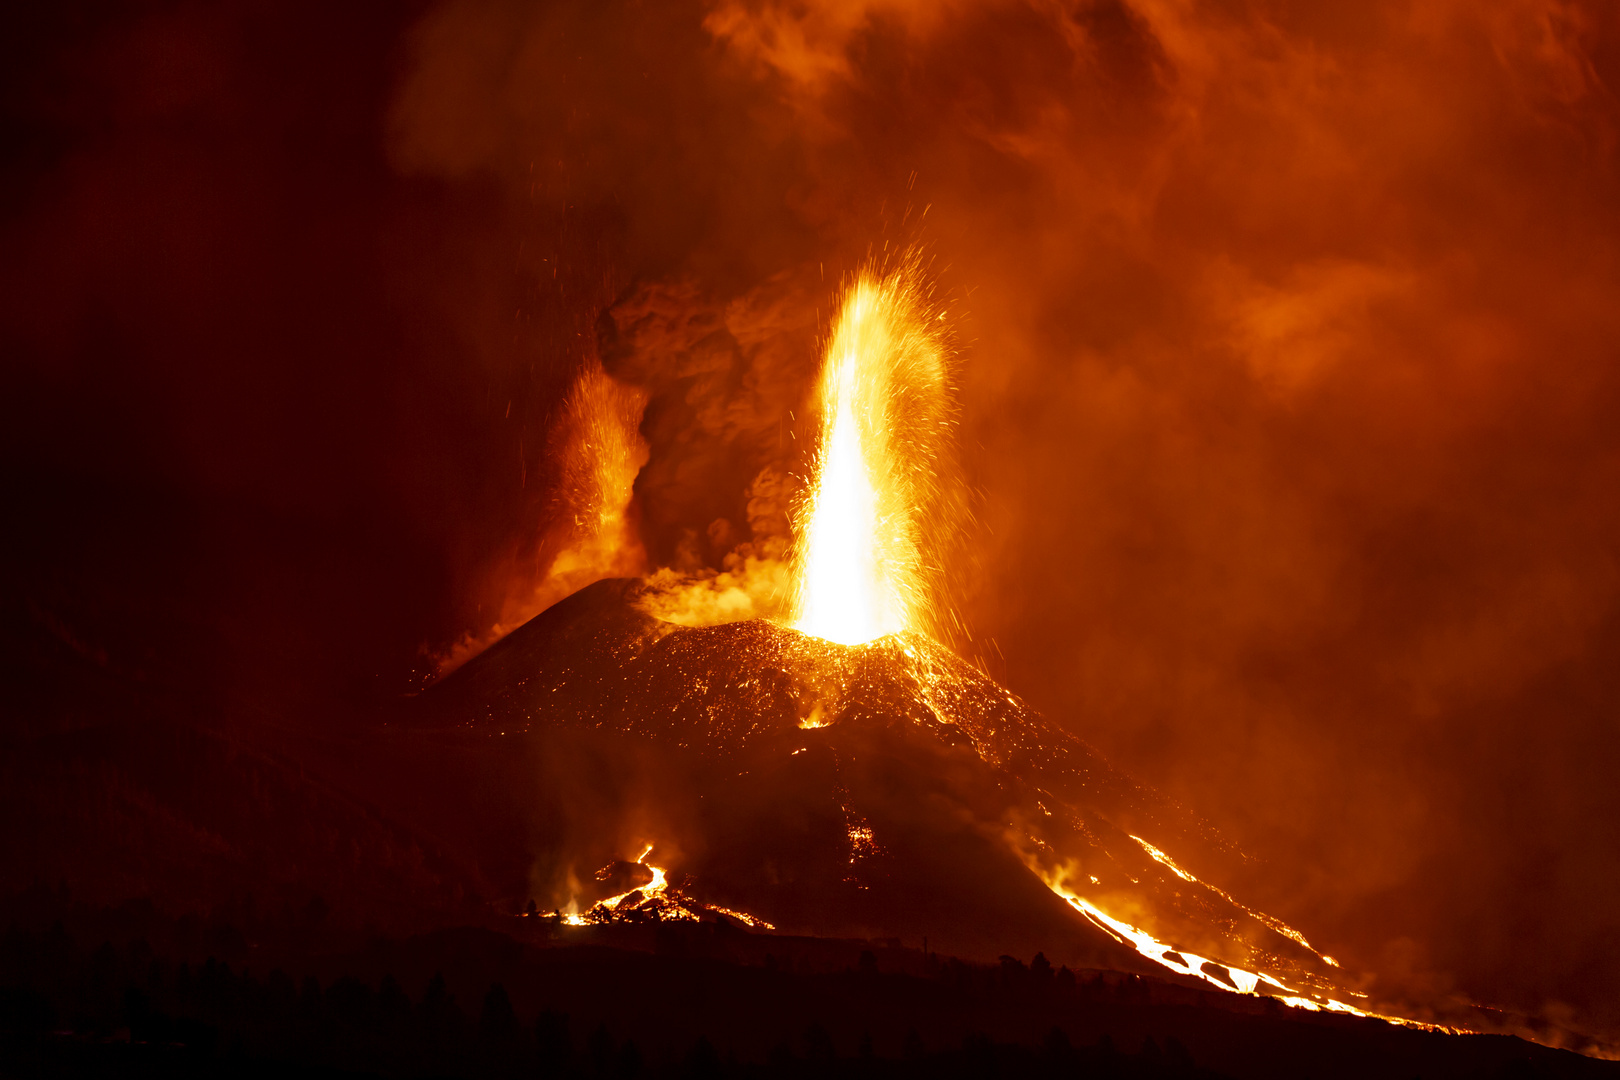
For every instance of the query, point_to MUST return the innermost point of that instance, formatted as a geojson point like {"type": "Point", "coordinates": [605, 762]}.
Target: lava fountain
{"type": "Point", "coordinates": [862, 569]}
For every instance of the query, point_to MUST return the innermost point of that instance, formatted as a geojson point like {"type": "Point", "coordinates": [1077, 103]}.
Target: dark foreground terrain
{"type": "Point", "coordinates": [130, 991]}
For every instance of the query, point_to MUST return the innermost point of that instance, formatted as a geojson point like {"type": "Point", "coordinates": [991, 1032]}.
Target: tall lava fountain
{"type": "Point", "coordinates": [862, 569]}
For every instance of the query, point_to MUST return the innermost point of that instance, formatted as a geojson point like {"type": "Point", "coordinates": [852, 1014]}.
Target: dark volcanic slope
{"type": "Point", "coordinates": [885, 790]}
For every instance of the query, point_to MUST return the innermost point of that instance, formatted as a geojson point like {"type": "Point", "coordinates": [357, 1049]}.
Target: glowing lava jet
{"type": "Point", "coordinates": [861, 571]}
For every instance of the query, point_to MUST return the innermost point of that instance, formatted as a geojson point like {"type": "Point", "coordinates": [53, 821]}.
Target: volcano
{"type": "Point", "coordinates": [830, 769]}
{"type": "Point", "coordinates": [883, 790]}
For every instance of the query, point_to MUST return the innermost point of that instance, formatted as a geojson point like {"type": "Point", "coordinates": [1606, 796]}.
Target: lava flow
{"type": "Point", "coordinates": [654, 899]}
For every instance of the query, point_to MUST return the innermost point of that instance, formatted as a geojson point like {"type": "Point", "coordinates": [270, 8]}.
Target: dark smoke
{"type": "Point", "coordinates": [725, 381]}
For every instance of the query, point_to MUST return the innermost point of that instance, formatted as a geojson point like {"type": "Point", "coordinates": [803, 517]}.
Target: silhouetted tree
{"type": "Point", "coordinates": [702, 1062]}
{"type": "Point", "coordinates": [979, 1055]}
{"type": "Point", "coordinates": [436, 1000]}
{"type": "Point", "coordinates": [280, 992]}
{"type": "Point", "coordinates": [629, 1064]}
{"type": "Point", "coordinates": [349, 1001]}
{"type": "Point", "coordinates": [103, 968]}
{"type": "Point", "coordinates": [1041, 969]}
{"type": "Point", "coordinates": [600, 1047]}
{"type": "Point", "coordinates": [442, 1021]}
{"type": "Point", "coordinates": [497, 1021]}
{"type": "Point", "coordinates": [1057, 1048]}
{"type": "Point", "coordinates": [818, 1045]}
{"type": "Point", "coordinates": [309, 998]}
{"type": "Point", "coordinates": [215, 988]}
{"type": "Point", "coordinates": [393, 1006]}
{"type": "Point", "coordinates": [138, 1014]}
{"type": "Point", "coordinates": [553, 1044]}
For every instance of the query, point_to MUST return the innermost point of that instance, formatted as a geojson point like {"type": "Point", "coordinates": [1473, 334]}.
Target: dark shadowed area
{"type": "Point", "coordinates": [1290, 381]}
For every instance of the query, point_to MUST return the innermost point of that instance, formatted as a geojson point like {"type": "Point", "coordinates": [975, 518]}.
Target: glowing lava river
{"type": "Point", "coordinates": [840, 772]}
